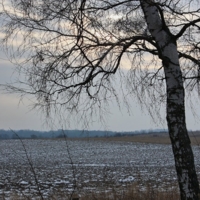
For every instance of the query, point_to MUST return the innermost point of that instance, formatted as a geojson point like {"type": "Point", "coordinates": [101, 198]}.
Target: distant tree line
{"type": "Point", "coordinates": [32, 134]}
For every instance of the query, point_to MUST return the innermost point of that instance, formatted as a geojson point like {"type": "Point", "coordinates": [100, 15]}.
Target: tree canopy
{"type": "Point", "coordinates": [71, 48]}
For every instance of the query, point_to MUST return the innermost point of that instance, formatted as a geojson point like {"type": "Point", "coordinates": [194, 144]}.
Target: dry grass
{"type": "Point", "coordinates": [134, 192]}
{"type": "Point", "coordinates": [130, 192]}
{"type": "Point", "coordinates": [153, 138]}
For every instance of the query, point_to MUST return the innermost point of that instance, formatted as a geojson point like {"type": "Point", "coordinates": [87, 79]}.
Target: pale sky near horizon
{"type": "Point", "coordinates": [16, 114]}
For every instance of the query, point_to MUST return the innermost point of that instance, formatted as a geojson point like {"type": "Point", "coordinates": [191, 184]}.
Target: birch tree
{"type": "Point", "coordinates": [70, 51]}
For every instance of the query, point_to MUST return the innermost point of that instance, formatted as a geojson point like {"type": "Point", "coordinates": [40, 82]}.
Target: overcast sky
{"type": "Point", "coordinates": [16, 114]}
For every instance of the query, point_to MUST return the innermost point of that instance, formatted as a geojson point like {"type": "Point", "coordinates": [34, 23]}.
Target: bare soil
{"type": "Point", "coordinates": [154, 138]}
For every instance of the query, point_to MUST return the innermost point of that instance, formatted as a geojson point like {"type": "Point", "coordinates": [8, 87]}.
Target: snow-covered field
{"type": "Point", "coordinates": [51, 165]}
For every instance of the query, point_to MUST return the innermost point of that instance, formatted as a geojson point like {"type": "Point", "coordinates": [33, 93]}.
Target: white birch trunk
{"type": "Point", "coordinates": [183, 155]}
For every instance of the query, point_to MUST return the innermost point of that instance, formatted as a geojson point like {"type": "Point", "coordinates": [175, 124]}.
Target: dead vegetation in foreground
{"type": "Point", "coordinates": [131, 192]}
{"type": "Point", "coordinates": [134, 192]}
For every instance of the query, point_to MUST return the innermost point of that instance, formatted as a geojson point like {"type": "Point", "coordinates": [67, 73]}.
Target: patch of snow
{"type": "Point", "coordinates": [127, 180]}
{"type": "Point", "coordinates": [24, 183]}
